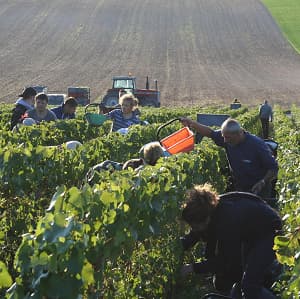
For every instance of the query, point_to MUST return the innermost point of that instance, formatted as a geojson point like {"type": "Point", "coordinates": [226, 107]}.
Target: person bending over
{"type": "Point", "coordinates": [239, 229]}
{"type": "Point", "coordinates": [150, 153]}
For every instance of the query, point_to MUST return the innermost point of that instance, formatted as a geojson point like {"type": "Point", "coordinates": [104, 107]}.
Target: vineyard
{"type": "Point", "coordinates": [62, 238]}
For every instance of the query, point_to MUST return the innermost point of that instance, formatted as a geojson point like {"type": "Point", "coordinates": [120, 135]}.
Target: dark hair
{"type": "Point", "coordinates": [71, 102]}
{"type": "Point", "coordinates": [28, 92]}
{"type": "Point", "coordinates": [201, 200]}
{"type": "Point", "coordinates": [133, 163]}
{"type": "Point", "coordinates": [41, 96]}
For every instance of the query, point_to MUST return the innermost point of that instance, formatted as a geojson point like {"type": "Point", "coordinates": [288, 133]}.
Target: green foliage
{"type": "Point", "coordinates": [118, 238]}
{"type": "Point", "coordinates": [88, 235]}
{"type": "Point", "coordinates": [5, 278]}
{"type": "Point", "coordinates": [287, 246]}
{"type": "Point", "coordinates": [287, 15]}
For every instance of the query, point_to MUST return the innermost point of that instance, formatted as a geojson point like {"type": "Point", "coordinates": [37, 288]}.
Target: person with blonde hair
{"type": "Point", "coordinates": [239, 230]}
{"type": "Point", "coordinates": [149, 153]}
{"type": "Point", "coordinates": [127, 115]}
{"type": "Point", "coordinates": [152, 152]}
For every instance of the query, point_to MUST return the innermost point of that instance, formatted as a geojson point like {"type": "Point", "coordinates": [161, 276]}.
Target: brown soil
{"type": "Point", "coordinates": [197, 49]}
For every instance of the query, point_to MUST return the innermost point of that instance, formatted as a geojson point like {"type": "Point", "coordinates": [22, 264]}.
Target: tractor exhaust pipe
{"type": "Point", "coordinates": [147, 83]}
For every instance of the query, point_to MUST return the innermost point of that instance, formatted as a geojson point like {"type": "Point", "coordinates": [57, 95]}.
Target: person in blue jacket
{"type": "Point", "coordinates": [67, 110]}
{"type": "Point", "coordinates": [251, 162]}
{"type": "Point", "coordinates": [239, 230]}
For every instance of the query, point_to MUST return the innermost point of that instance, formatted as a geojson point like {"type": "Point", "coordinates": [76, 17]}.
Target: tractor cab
{"type": "Point", "coordinates": [127, 83]}
{"type": "Point", "coordinates": [146, 97]}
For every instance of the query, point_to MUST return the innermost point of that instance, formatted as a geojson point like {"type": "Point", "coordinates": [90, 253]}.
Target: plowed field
{"type": "Point", "coordinates": [198, 50]}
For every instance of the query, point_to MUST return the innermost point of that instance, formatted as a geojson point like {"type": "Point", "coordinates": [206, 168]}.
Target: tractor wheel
{"type": "Point", "coordinates": [110, 101]}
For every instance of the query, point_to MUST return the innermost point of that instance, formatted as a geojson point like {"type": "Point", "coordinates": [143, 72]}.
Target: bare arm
{"type": "Point", "coordinates": [202, 129]}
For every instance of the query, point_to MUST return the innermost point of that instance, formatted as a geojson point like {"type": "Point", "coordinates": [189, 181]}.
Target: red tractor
{"type": "Point", "coordinates": [146, 97]}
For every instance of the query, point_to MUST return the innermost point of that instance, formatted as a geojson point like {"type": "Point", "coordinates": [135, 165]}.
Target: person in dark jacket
{"type": "Point", "coordinates": [265, 115]}
{"type": "Point", "coordinates": [251, 162]}
{"type": "Point", "coordinates": [239, 230]}
{"type": "Point", "coordinates": [67, 110]}
{"type": "Point", "coordinates": [24, 103]}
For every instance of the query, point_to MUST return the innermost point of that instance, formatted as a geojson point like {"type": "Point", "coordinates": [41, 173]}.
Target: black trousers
{"type": "Point", "coordinates": [265, 127]}
{"type": "Point", "coordinates": [253, 280]}
{"type": "Point", "coordinates": [258, 260]}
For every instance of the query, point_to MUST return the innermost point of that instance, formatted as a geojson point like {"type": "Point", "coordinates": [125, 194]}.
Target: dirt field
{"type": "Point", "coordinates": [197, 49]}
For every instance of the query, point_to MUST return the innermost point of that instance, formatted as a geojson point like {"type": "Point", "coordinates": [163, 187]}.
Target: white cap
{"type": "Point", "coordinates": [71, 145]}
{"type": "Point", "coordinates": [29, 121]}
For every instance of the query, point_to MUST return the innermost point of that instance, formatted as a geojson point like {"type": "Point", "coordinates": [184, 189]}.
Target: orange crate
{"type": "Point", "coordinates": [181, 141]}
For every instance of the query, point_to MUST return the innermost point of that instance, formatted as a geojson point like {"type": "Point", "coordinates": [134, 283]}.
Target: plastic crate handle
{"type": "Point", "coordinates": [164, 125]}
{"type": "Point", "coordinates": [90, 105]}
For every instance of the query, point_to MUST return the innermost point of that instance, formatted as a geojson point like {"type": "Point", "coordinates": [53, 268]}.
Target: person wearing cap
{"type": "Point", "coordinates": [40, 112]}
{"type": "Point", "coordinates": [66, 110]}
{"type": "Point", "coordinates": [24, 103]}
{"type": "Point", "coordinates": [252, 165]}
{"type": "Point", "coordinates": [238, 229]}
